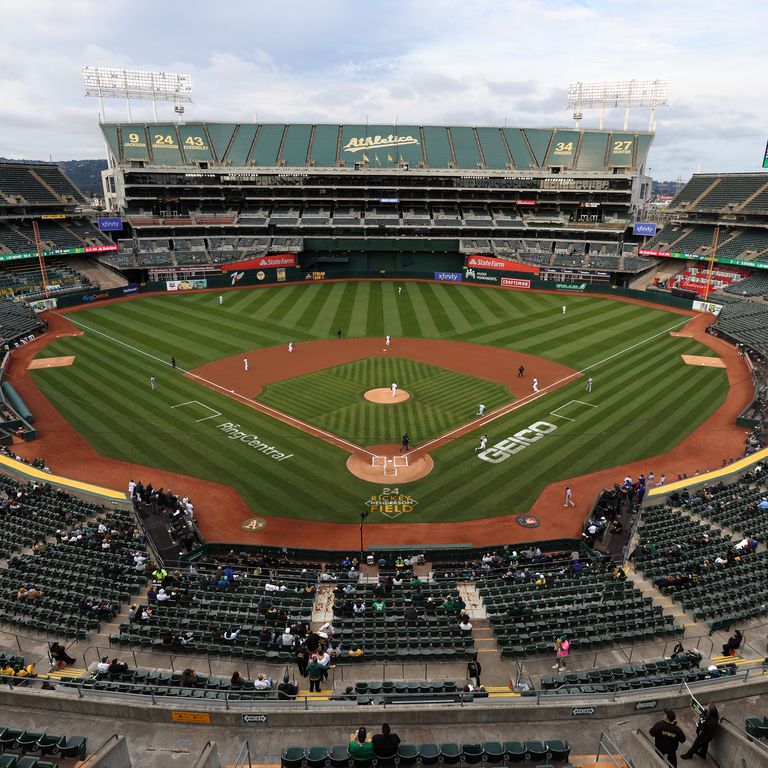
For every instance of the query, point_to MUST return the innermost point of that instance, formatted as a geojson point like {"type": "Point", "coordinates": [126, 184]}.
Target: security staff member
{"type": "Point", "coordinates": [668, 736]}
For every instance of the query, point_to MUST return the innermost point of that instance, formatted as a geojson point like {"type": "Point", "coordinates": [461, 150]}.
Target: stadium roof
{"type": "Point", "coordinates": [299, 145]}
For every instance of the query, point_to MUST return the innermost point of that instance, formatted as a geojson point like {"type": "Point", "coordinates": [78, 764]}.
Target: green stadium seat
{"type": "Point", "coordinates": [430, 754]}
{"type": "Point", "coordinates": [292, 757]}
{"type": "Point", "coordinates": [515, 751]}
{"type": "Point", "coordinates": [472, 753]}
{"type": "Point", "coordinates": [494, 752]}
{"type": "Point", "coordinates": [408, 754]}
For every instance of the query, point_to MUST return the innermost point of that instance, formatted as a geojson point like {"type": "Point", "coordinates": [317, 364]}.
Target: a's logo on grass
{"type": "Point", "coordinates": [253, 524]}
{"type": "Point", "coordinates": [528, 521]}
{"type": "Point", "coordinates": [391, 503]}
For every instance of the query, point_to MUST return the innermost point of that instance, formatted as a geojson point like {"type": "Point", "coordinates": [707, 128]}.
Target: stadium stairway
{"type": "Point", "coordinates": [100, 274]}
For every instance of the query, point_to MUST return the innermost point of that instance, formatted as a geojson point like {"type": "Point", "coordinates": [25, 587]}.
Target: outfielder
{"type": "Point", "coordinates": [481, 409]}
{"type": "Point", "coordinates": [152, 383]}
{"type": "Point", "coordinates": [221, 300]}
{"type": "Point", "coordinates": [589, 384]}
{"type": "Point", "coordinates": [565, 309]}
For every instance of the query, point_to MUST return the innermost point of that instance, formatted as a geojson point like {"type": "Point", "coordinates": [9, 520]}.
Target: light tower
{"type": "Point", "coordinates": [137, 85]}
{"type": "Point", "coordinates": [618, 93]}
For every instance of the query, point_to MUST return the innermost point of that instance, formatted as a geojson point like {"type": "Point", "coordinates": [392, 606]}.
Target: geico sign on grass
{"type": "Point", "coordinates": [517, 442]}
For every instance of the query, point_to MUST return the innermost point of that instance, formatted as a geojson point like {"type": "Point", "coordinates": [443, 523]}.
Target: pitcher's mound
{"type": "Point", "coordinates": [383, 396]}
{"type": "Point", "coordinates": [386, 464]}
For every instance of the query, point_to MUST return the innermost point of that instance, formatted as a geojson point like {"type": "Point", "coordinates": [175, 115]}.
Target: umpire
{"type": "Point", "coordinates": [667, 735]}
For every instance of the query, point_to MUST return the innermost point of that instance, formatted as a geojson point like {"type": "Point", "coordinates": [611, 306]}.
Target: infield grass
{"type": "Point", "coordinates": [646, 399]}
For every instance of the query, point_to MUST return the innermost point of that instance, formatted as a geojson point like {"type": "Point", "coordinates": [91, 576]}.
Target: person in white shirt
{"type": "Point", "coordinates": [262, 682]}
{"type": "Point", "coordinates": [162, 596]}
{"type": "Point", "coordinates": [103, 666]}
{"type": "Point", "coordinates": [231, 635]}
{"type": "Point", "coordinates": [270, 587]}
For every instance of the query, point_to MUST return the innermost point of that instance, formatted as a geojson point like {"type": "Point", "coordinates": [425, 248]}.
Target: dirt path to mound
{"type": "Point", "coordinates": [222, 510]}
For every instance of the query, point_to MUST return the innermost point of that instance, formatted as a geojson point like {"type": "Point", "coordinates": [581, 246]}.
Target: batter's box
{"type": "Point", "coordinates": [389, 464]}
{"type": "Point", "coordinates": [577, 404]}
{"type": "Point", "coordinates": [202, 407]}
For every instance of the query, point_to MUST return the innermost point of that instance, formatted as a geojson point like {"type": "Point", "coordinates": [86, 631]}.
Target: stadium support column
{"type": "Point", "coordinates": [40, 258]}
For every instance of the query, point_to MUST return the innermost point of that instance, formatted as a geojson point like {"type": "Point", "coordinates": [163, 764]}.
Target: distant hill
{"type": "Point", "coordinates": [86, 174]}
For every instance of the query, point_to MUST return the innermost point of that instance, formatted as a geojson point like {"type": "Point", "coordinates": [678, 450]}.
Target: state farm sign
{"type": "Point", "coordinates": [488, 262]}
{"type": "Point", "coordinates": [514, 282]}
{"type": "Point", "coordinates": [262, 262]}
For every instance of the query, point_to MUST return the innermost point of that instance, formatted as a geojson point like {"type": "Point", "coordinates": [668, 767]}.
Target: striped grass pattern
{"type": "Point", "coordinates": [333, 399]}
{"type": "Point", "coordinates": [646, 399]}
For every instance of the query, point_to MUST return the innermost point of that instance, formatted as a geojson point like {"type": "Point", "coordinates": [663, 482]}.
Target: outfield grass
{"type": "Point", "coordinates": [332, 399]}
{"type": "Point", "coordinates": [646, 399]}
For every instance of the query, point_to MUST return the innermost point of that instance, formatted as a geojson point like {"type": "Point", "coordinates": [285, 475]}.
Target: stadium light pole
{"type": "Point", "coordinates": [617, 94]}
{"type": "Point", "coordinates": [137, 85]}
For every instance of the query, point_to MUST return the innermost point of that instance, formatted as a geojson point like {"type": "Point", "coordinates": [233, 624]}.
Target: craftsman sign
{"type": "Point", "coordinates": [391, 503]}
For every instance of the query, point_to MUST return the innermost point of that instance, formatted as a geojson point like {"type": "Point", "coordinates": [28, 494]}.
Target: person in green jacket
{"type": "Point", "coordinates": [315, 672]}
{"type": "Point", "coordinates": [360, 747]}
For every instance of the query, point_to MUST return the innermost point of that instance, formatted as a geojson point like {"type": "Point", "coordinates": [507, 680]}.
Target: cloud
{"type": "Point", "coordinates": [470, 62]}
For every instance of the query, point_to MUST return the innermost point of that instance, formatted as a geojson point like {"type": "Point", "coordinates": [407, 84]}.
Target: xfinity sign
{"type": "Point", "coordinates": [110, 224]}
{"type": "Point", "coordinates": [644, 229]}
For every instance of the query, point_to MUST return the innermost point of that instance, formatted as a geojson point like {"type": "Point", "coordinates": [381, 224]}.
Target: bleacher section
{"type": "Point", "coordinates": [23, 279]}
{"type": "Point", "coordinates": [17, 319]}
{"type": "Point", "coordinates": [746, 321]}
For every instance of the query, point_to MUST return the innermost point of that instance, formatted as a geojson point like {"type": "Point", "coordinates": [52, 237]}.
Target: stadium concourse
{"type": "Point", "coordinates": [221, 510]}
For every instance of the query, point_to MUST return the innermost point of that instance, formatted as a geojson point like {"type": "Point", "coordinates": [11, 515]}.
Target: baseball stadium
{"type": "Point", "coordinates": [315, 417]}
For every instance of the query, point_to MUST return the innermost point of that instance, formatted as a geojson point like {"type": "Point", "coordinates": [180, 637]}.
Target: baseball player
{"type": "Point", "coordinates": [221, 300]}
{"type": "Point", "coordinates": [589, 384]}
{"type": "Point", "coordinates": [565, 309]}
{"type": "Point", "coordinates": [569, 502]}
{"type": "Point", "coordinates": [483, 443]}
{"type": "Point", "coordinates": [535, 384]}
{"type": "Point", "coordinates": [387, 341]}
{"type": "Point", "coordinates": [481, 409]}
{"type": "Point", "coordinates": [152, 383]}
{"type": "Point", "coordinates": [245, 363]}
{"type": "Point", "coordinates": [521, 371]}
{"type": "Point", "coordinates": [394, 389]}
{"type": "Point", "coordinates": [399, 290]}
{"type": "Point", "coordinates": [290, 346]}
{"type": "Point", "coordinates": [406, 443]}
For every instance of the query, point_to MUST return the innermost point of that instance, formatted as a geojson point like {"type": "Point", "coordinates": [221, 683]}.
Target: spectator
{"type": "Point", "coordinates": [667, 736]}
{"type": "Point", "coordinates": [385, 744]}
{"type": "Point", "coordinates": [230, 635]}
{"type": "Point", "coordinates": [188, 678]}
{"type": "Point", "coordinates": [315, 672]}
{"type": "Point", "coordinates": [60, 656]}
{"type": "Point", "coordinates": [562, 648]}
{"type": "Point", "coordinates": [474, 670]}
{"type": "Point", "coordinates": [117, 668]}
{"type": "Point", "coordinates": [236, 682]}
{"type": "Point", "coordinates": [360, 746]}
{"type": "Point", "coordinates": [464, 623]}
{"type": "Point", "coordinates": [733, 644]}
{"type": "Point", "coordinates": [103, 666]}
{"type": "Point", "coordinates": [262, 682]}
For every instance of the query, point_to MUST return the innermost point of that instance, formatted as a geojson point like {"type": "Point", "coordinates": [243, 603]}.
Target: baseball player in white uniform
{"type": "Point", "coordinates": [221, 300]}
{"type": "Point", "coordinates": [245, 363]}
{"type": "Point", "coordinates": [481, 409]}
{"type": "Point", "coordinates": [394, 389]}
{"type": "Point", "coordinates": [387, 341]}
{"type": "Point", "coordinates": [290, 346]}
{"type": "Point", "coordinates": [565, 309]}
{"type": "Point", "coordinates": [535, 384]}
{"type": "Point", "coordinates": [483, 443]}
{"type": "Point", "coordinates": [589, 384]}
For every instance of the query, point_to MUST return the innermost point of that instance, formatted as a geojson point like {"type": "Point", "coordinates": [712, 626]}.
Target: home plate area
{"type": "Point", "coordinates": [389, 464]}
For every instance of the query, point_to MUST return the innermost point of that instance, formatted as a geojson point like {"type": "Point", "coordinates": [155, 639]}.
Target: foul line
{"type": "Point", "coordinates": [491, 417]}
{"type": "Point", "coordinates": [303, 426]}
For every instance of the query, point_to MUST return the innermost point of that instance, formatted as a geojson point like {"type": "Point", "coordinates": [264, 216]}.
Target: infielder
{"type": "Point", "coordinates": [245, 363]}
{"type": "Point", "coordinates": [535, 384]}
{"type": "Point", "coordinates": [387, 341]}
{"type": "Point", "coordinates": [569, 502]}
{"type": "Point", "coordinates": [290, 346]}
{"type": "Point", "coordinates": [152, 383]}
{"type": "Point", "coordinates": [394, 389]}
{"type": "Point", "coordinates": [481, 409]}
{"type": "Point", "coordinates": [483, 443]}
{"type": "Point", "coordinates": [589, 384]}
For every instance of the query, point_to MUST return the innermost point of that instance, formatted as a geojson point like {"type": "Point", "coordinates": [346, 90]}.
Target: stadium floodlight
{"type": "Point", "coordinates": [137, 85]}
{"type": "Point", "coordinates": [619, 93]}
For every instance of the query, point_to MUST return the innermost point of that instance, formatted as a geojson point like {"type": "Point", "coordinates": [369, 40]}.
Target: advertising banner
{"type": "Point", "coordinates": [450, 277]}
{"type": "Point", "coordinates": [489, 262]}
{"type": "Point", "coordinates": [263, 262]}
{"type": "Point", "coordinates": [110, 224]}
{"type": "Point", "coordinates": [692, 257]}
{"type": "Point", "coordinates": [42, 304]}
{"type": "Point", "coordinates": [514, 282]}
{"type": "Point", "coordinates": [707, 306]}
{"type": "Point", "coordinates": [644, 228]}
{"type": "Point", "coordinates": [58, 252]}
{"type": "Point", "coordinates": [480, 275]}
{"type": "Point", "coordinates": [185, 285]}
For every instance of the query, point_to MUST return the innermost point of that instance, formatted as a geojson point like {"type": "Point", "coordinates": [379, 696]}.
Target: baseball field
{"type": "Point", "coordinates": [282, 432]}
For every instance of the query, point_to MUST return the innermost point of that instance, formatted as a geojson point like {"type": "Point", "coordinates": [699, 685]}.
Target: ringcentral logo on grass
{"type": "Point", "coordinates": [233, 432]}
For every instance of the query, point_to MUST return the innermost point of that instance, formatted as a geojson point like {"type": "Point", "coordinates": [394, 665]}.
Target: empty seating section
{"type": "Point", "coordinates": [699, 280]}
{"type": "Point", "coordinates": [758, 204]}
{"type": "Point", "coordinates": [698, 567]}
{"type": "Point", "coordinates": [16, 319]}
{"type": "Point", "coordinates": [744, 245]}
{"type": "Point", "coordinates": [695, 187]}
{"type": "Point", "coordinates": [92, 560]}
{"type": "Point", "coordinates": [730, 191]}
{"type": "Point", "coordinates": [191, 257]}
{"type": "Point", "coordinates": [23, 278]}
{"type": "Point", "coordinates": [54, 177]}
{"type": "Point", "coordinates": [695, 239]}
{"type": "Point", "coordinates": [592, 607]}
{"type": "Point", "coordinates": [665, 239]}
{"type": "Point", "coordinates": [14, 240]}
{"type": "Point", "coordinates": [46, 745]}
{"type": "Point", "coordinates": [19, 180]}
{"type": "Point", "coordinates": [756, 285]}
{"type": "Point", "coordinates": [484, 753]}
{"type": "Point", "coordinates": [631, 676]}
{"type": "Point", "coordinates": [746, 321]}
{"type": "Point", "coordinates": [59, 236]}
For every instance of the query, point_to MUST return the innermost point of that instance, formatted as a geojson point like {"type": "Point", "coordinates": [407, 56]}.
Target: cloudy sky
{"type": "Point", "coordinates": [476, 62]}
